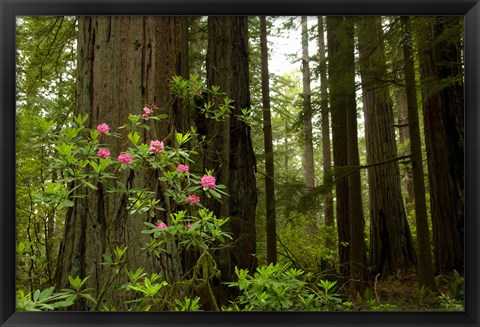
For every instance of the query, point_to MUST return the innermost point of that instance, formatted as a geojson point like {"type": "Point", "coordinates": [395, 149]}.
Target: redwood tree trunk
{"type": "Point", "coordinates": [391, 247]}
{"type": "Point", "coordinates": [268, 144]}
{"type": "Point", "coordinates": [339, 138]}
{"type": "Point", "coordinates": [228, 68]}
{"type": "Point", "coordinates": [326, 144]}
{"type": "Point", "coordinates": [357, 247]}
{"type": "Point", "coordinates": [307, 110]}
{"type": "Point", "coordinates": [123, 64]}
{"type": "Point", "coordinates": [425, 265]}
{"type": "Point", "coordinates": [442, 93]}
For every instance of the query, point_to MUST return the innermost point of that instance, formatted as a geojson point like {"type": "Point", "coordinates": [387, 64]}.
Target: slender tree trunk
{"type": "Point", "coordinates": [307, 110]}
{"type": "Point", "coordinates": [339, 138]}
{"type": "Point", "coordinates": [327, 157]}
{"type": "Point", "coordinates": [425, 264]}
{"type": "Point", "coordinates": [391, 247]}
{"type": "Point", "coordinates": [268, 144]}
{"type": "Point", "coordinates": [400, 99]}
{"type": "Point", "coordinates": [442, 93]}
{"type": "Point", "coordinates": [357, 247]}
{"type": "Point", "coordinates": [123, 63]}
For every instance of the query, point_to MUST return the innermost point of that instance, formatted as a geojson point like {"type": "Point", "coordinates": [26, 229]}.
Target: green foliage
{"type": "Point", "coordinates": [306, 251]}
{"type": "Point", "coordinates": [280, 288]}
{"type": "Point", "coordinates": [42, 300]}
{"type": "Point", "coordinates": [82, 165]}
{"type": "Point", "coordinates": [456, 286]}
{"type": "Point", "coordinates": [450, 304]}
{"type": "Point", "coordinates": [187, 304]}
{"type": "Point", "coordinates": [50, 300]}
{"type": "Point", "coordinates": [423, 294]}
{"type": "Point", "coordinates": [373, 305]}
{"type": "Point", "coordinates": [148, 291]}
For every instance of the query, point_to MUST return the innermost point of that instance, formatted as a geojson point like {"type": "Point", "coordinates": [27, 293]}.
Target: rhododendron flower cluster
{"type": "Point", "coordinates": [161, 225]}
{"type": "Point", "coordinates": [156, 146]}
{"type": "Point", "coordinates": [125, 158]}
{"type": "Point", "coordinates": [147, 112]}
{"type": "Point", "coordinates": [193, 198]}
{"type": "Point", "coordinates": [182, 168]}
{"type": "Point", "coordinates": [103, 153]}
{"type": "Point", "coordinates": [208, 181]}
{"type": "Point", "coordinates": [103, 128]}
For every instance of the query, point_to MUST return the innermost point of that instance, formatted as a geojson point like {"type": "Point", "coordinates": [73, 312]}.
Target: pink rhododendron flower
{"type": "Point", "coordinates": [182, 168]}
{"type": "Point", "coordinates": [103, 153]}
{"type": "Point", "coordinates": [193, 198]}
{"type": "Point", "coordinates": [125, 158]}
{"type": "Point", "coordinates": [189, 225]}
{"type": "Point", "coordinates": [147, 111]}
{"type": "Point", "coordinates": [103, 128]}
{"type": "Point", "coordinates": [156, 146]}
{"type": "Point", "coordinates": [208, 181]}
{"type": "Point", "coordinates": [161, 225]}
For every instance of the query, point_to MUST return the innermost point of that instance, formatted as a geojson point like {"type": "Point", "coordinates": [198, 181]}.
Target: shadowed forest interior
{"type": "Point", "coordinates": [240, 163]}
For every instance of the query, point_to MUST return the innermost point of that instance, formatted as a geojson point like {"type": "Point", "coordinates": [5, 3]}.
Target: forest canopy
{"type": "Point", "coordinates": [227, 163]}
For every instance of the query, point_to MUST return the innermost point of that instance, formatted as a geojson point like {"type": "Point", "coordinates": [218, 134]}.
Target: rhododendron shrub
{"type": "Point", "coordinates": [86, 160]}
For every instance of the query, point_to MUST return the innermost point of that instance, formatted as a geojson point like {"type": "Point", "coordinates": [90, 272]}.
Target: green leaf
{"type": "Point", "coordinates": [88, 297]}
{"type": "Point", "coordinates": [93, 187]}
{"type": "Point", "coordinates": [46, 293]}
{"type": "Point", "coordinates": [36, 295]}
{"type": "Point", "coordinates": [62, 304]}
{"type": "Point", "coordinates": [214, 193]}
{"type": "Point", "coordinates": [95, 166]}
{"type": "Point", "coordinates": [134, 138]}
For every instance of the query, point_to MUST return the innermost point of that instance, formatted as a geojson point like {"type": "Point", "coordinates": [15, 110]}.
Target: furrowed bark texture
{"type": "Point", "coordinates": [123, 64]}
{"type": "Point", "coordinates": [442, 92]}
{"type": "Point", "coordinates": [391, 248]}
{"type": "Point", "coordinates": [228, 68]}
{"type": "Point", "coordinates": [339, 138]}
{"type": "Point", "coordinates": [425, 264]}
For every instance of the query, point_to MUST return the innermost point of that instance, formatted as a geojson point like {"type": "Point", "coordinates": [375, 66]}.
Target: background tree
{"type": "Point", "coordinates": [425, 264]}
{"type": "Point", "coordinates": [391, 247]}
{"type": "Point", "coordinates": [339, 136]}
{"type": "Point", "coordinates": [268, 144]}
{"type": "Point", "coordinates": [440, 52]}
{"type": "Point", "coordinates": [307, 109]}
{"type": "Point", "coordinates": [325, 122]}
{"type": "Point", "coordinates": [357, 247]}
{"type": "Point", "coordinates": [45, 88]}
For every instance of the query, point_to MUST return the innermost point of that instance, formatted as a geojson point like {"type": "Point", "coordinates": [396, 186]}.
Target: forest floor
{"type": "Point", "coordinates": [401, 293]}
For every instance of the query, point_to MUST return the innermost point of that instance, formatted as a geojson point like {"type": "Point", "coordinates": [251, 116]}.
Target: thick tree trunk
{"type": "Point", "coordinates": [391, 247]}
{"type": "Point", "coordinates": [123, 64]}
{"type": "Point", "coordinates": [228, 68]}
{"type": "Point", "coordinates": [268, 145]}
{"type": "Point", "coordinates": [442, 93]}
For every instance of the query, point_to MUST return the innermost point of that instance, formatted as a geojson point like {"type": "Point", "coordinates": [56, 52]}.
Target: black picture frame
{"type": "Point", "coordinates": [9, 9]}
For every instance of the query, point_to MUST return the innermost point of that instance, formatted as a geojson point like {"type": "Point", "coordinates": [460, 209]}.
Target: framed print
{"type": "Point", "coordinates": [295, 163]}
